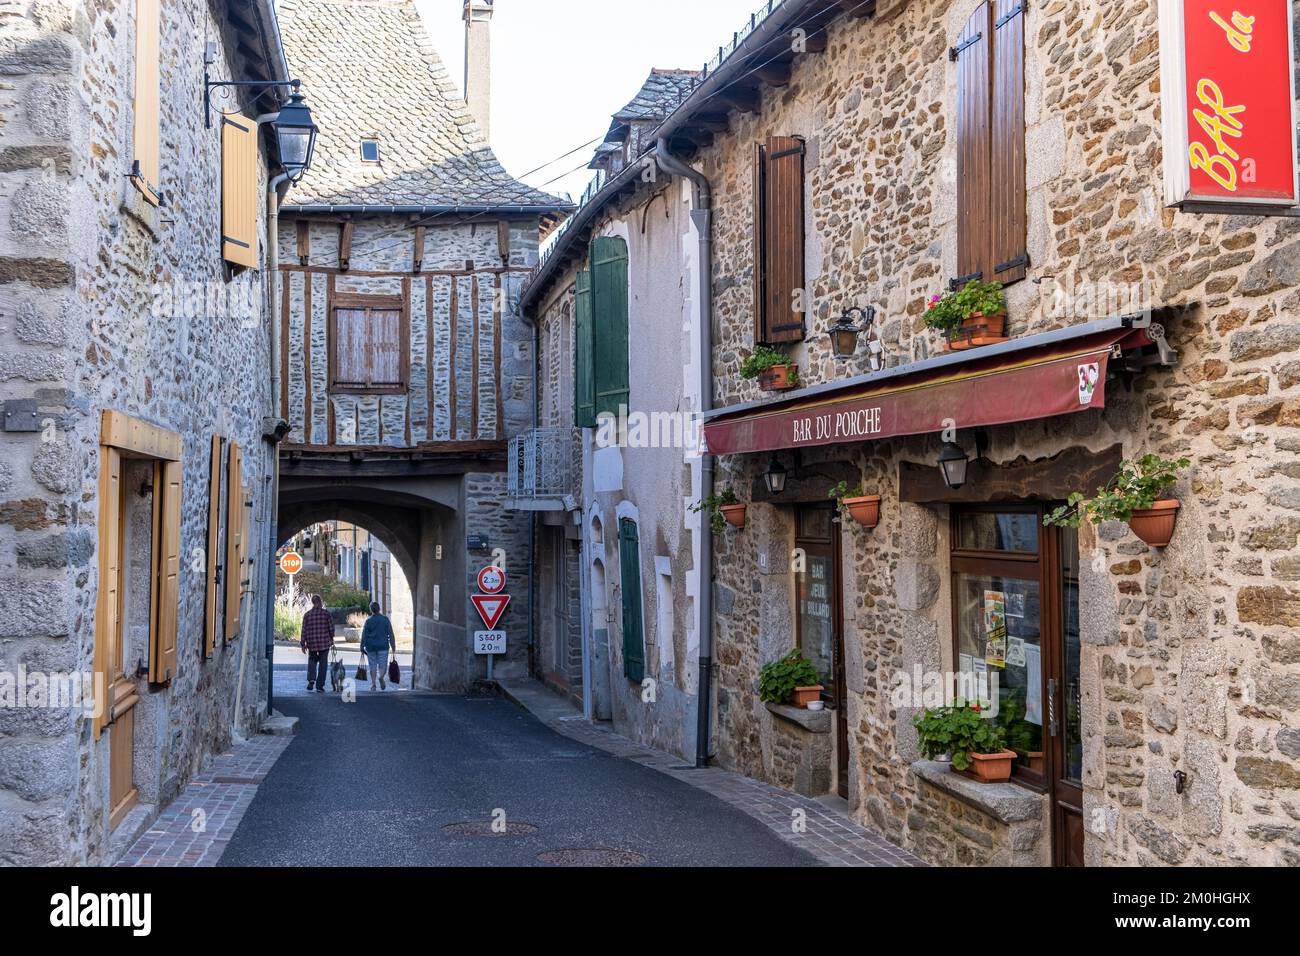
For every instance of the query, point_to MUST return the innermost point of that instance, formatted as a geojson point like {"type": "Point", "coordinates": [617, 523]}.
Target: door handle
{"type": "Point", "coordinates": [1051, 706]}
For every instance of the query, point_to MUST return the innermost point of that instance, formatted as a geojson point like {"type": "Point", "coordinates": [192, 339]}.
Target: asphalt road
{"type": "Point", "coordinates": [373, 783]}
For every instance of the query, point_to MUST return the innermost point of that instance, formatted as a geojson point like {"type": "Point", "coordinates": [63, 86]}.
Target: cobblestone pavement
{"type": "Point", "coordinates": [828, 834]}
{"type": "Point", "coordinates": [196, 827]}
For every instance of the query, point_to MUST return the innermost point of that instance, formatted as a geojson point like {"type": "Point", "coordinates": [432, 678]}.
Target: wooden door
{"type": "Point", "coordinates": [1064, 713]}
{"type": "Point", "coordinates": [819, 617]}
{"type": "Point", "coordinates": [119, 678]}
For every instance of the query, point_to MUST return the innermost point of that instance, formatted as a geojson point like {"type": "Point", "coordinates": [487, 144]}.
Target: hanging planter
{"type": "Point", "coordinates": [864, 509]}
{"type": "Point", "coordinates": [1155, 525]}
{"type": "Point", "coordinates": [1132, 496]}
{"type": "Point", "coordinates": [969, 317]}
{"type": "Point", "coordinates": [734, 515]}
{"type": "Point", "coordinates": [774, 370]}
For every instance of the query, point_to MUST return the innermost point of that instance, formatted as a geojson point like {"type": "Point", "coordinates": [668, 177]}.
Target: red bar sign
{"type": "Point", "coordinates": [1228, 101]}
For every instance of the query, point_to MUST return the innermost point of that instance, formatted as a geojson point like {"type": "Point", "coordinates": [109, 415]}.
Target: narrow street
{"type": "Point", "coordinates": [376, 782]}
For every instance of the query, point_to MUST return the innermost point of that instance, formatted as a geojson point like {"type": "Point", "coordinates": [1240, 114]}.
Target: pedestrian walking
{"type": "Point", "coordinates": [377, 639]}
{"type": "Point", "coordinates": [316, 642]}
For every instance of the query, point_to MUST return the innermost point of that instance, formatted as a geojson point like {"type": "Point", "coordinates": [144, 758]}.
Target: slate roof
{"type": "Point", "coordinates": [369, 70]}
{"type": "Point", "coordinates": [662, 92]}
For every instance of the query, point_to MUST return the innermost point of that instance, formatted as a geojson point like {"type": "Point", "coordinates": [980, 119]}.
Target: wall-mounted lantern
{"type": "Point", "coordinates": [295, 131]}
{"type": "Point", "coordinates": [843, 334]}
{"type": "Point", "coordinates": [775, 476]}
{"type": "Point", "coordinates": [954, 464]}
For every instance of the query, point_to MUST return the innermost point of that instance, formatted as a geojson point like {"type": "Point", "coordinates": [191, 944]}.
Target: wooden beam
{"type": "Point", "coordinates": [417, 254]}
{"type": "Point", "coordinates": [743, 98]}
{"type": "Point", "coordinates": [503, 241]}
{"type": "Point", "coordinates": [345, 244]}
{"type": "Point", "coordinates": [1050, 479]}
{"type": "Point", "coordinates": [304, 241]}
{"type": "Point", "coordinates": [774, 73]}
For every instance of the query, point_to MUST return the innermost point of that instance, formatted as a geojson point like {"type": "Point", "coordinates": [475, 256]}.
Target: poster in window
{"type": "Point", "coordinates": [1033, 685]}
{"type": "Point", "coordinates": [1015, 652]}
{"type": "Point", "coordinates": [995, 628]}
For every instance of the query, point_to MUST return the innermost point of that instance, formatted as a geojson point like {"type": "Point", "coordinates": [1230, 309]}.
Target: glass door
{"type": "Point", "coordinates": [818, 618]}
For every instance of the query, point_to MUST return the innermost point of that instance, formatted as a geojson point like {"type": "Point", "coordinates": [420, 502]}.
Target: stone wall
{"type": "Point", "coordinates": [112, 304]}
{"type": "Point", "coordinates": [1189, 658]}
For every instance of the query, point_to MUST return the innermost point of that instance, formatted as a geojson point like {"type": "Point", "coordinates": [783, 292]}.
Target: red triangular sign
{"type": "Point", "coordinates": [490, 607]}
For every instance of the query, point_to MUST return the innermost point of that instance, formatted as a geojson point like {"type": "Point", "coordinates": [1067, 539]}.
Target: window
{"type": "Point", "coordinates": [778, 240]}
{"type": "Point", "coordinates": [991, 199]}
{"type": "Point", "coordinates": [144, 109]}
{"type": "Point", "coordinates": [629, 566]}
{"type": "Point", "coordinates": [601, 333]}
{"type": "Point", "coordinates": [368, 335]}
{"type": "Point", "coordinates": [239, 190]}
{"type": "Point", "coordinates": [370, 150]}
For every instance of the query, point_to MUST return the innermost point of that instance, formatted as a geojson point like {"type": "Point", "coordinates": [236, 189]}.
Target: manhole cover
{"type": "Point", "coordinates": [591, 856]}
{"type": "Point", "coordinates": [479, 828]}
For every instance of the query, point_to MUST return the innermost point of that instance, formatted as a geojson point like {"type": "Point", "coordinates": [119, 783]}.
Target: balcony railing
{"type": "Point", "coordinates": [541, 471]}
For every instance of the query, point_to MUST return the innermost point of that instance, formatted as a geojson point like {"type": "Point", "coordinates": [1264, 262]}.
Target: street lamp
{"type": "Point", "coordinates": [295, 131]}
{"type": "Point", "coordinates": [953, 463]}
{"type": "Point", "coordinates": [775, 477]}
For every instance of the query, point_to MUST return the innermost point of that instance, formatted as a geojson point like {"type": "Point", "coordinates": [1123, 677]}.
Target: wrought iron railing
{"type": "Point", "coordinates": [542, 463]}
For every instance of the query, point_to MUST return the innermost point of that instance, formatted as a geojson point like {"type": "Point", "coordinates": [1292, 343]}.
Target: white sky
{"type": "Point", "coordinates": [561, 68]}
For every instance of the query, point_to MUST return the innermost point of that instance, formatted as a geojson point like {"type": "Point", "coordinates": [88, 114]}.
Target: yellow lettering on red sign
{"type": "Point", "coordinates": [1238, 32]}
{"type": "Point", "coordinates": [1218, 124]}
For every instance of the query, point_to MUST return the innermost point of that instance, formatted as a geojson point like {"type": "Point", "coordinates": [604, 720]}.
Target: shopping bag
{"type": "Point", "coordinates": [394, 673]}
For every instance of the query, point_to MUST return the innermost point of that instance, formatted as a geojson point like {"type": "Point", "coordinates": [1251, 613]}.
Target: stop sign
{"type": "Point", "coordinates": [291, 562]}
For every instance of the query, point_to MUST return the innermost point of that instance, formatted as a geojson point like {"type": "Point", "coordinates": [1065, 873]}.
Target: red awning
{"type": "Point", "coordinates": [991, 389]}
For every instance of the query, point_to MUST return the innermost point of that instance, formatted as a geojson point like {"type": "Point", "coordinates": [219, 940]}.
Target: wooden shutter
{"type": "Point", "coordinates": [162, 652]}
{"type": "Point", "coordinates": [974, 234]}
{"type": "Point", "coordinates": [108, 604]}
{"type": "Point", "coordinates": [629, 565]}
{"type": "Point", "coordinates": [234, 537]}
{"type": "Point", "coordinates": [145, 116]}
{"type": "Point", "coordinates": [239, 190]}
{"type": "Point", "coordinates": [783, 282]}
{"type": "Point", "coordinates": [385, 346]}
{"type": "Point", "coordinates": [584, 358]}
{"type": "Point", "coordinates": [350, 369]}
{"type": "Point", "coordinates": [1008, 254]}
{"type": "Point", "coordinates": [609, 322]}
{"type": "Point", "coordinates": [760, 244]}
{"type": "Point", "coordinates": [213, 548]}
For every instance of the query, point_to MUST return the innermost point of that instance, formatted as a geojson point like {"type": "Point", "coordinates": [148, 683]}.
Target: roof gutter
{"type": "Point", "coordinates": [426, 210]}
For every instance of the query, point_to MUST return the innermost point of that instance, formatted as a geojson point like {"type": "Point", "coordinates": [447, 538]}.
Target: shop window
{"type": "Point", "coordinates": [991, 196]}
{"type": "Point", "coordinates": [778, 240]}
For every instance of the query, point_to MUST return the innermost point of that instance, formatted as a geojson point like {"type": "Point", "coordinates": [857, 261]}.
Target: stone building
{"type": "Point", "coordinates": [617, 550]}
{"type": "Point", "coordinates": [135, 373]}
{"type": "Point", "coordinates": [406, 370]}
{"type": "Point", "coordinates": [1150, 693]}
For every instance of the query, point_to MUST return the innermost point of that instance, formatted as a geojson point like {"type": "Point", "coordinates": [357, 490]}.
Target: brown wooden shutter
{"type": "Point", "coordinates": [385, 347]}
{"type": "Point", "coordinates": [1008, 254]}
{"type": "Point", "coordinates": [107, 605]}
{"type": "Point", "coordinates": [760, 244]}
{"type": "Point", "coordinates": [162, 654]}
{"type": "Point", "coordinates": [239, 190]}
{"type": "Point", "coordinates": [145, 116]}
{"type": "Point", "coordinates": [350, 345]}
{"type": "Point", "coordinates": [974, 234]}
{"type": "Point", "coordinates": [213, 548]}
{"type": "Point", "coordinates": [234, 538]}
{"type": "Point", "coordinates": [304, 241]}
{"type": "Point", "coordinates": [783, 226]}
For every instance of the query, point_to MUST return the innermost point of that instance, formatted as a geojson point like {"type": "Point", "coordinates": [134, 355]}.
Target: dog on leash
{"type": "Point", "coordinates": [337, 675]}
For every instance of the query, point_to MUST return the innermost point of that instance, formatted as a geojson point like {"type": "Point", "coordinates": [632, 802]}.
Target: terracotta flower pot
{"type": "Point", "coordinates": [802, 695]}
{"type": "Point", "coordinates": [776, 378]}
{"type": "Point", "coordinates": [1155, 525]}
{"type": "Point", "coordinates": [734, 515]}
{"type": "Point", "coordinates": [979, 329]}
{"type": "Point", "coordinates": [992, 768]}
{"type": "Point", "coordinates": [865, 510]}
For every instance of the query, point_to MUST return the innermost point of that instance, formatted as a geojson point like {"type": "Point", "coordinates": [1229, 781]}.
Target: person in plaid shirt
{"type": "Point", "coordinates": [317, 641]}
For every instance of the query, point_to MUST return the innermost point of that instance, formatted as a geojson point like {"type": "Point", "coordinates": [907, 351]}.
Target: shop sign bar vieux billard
{"type": "Point", "coordinates": [1228, 103]}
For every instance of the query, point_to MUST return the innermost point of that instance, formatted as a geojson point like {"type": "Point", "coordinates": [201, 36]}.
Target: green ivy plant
{"type": "Point", "coordinates": [763, 358]}
{"type": "Point", "coordinates": [948, 310]}
{"type": "Point", "coordinates": [958, 731]}
{"type": "Point", "coordinates": [1138, 484]}
{"type": "Point", "coordinates": [778, 679]}
{"type": "Point", "coordinates": [845, 490]}
{"type": "Point", "coordinates": [713, 505]}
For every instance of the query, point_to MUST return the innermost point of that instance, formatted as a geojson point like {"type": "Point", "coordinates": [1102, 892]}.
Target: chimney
{"type": "Point", "coordinates": [478, 63]}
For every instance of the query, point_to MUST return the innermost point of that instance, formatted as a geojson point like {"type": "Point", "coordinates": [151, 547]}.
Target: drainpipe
{"type": "Point", "coordinates": [279, 431]}
{"type": "Point", "coordinates": [702, 217]}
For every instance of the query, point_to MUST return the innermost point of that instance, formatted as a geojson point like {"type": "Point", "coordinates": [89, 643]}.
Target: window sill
{"type": "Point", "coordinates": [1007, 802]}
{"type": "Point", "coordinates": [813, 721]}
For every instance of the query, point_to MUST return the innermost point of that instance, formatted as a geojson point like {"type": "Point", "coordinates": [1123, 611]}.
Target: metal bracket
{"type": "Point", "coordinates": [1017, 262]}
{"type": "Point", "coordinates": [955, 51]}
{"type": "Point", "coordinates": [1168, 355]}
{"type": "Point", "coordinates": [1011, 15]}
{"type": "Point", "coordinates": [20, 415]}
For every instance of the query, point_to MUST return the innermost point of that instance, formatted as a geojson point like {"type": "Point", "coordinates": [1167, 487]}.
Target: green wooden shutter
{"type": "Point", "coordinates": [609, 312]}
{"type": "Point", "coordinates": [629, 566]}
{"type": "Point", "coordinates": [584, 384]}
